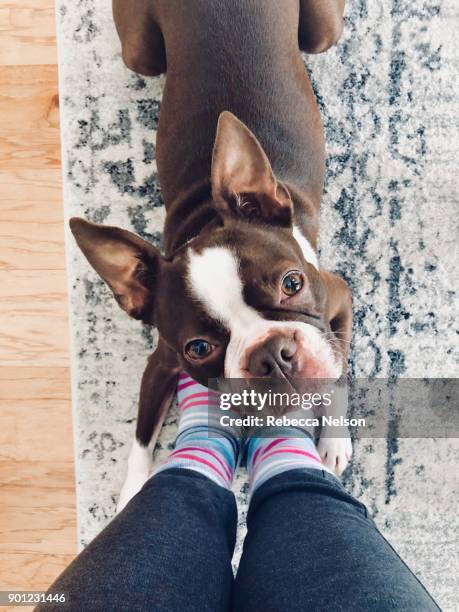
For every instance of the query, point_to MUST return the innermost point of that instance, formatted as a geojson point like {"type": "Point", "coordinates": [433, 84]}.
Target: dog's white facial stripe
{"type": "Point", "coordinates": [308, 252]}
{"type": "Point", "coordinates": [214, 280]}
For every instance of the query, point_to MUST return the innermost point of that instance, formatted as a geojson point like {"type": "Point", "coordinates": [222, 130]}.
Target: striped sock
{"type": "Point", "coordinates": [202, 444]}
{"type": "Point", "coordinates": [289, 450]}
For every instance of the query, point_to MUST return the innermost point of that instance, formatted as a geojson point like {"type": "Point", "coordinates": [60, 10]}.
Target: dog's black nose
{"type": "Point", "coordinates": [273, 359]}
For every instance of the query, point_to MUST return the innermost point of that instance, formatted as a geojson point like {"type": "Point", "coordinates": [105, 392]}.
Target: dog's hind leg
{"type": "Point", "coordinates": [158, 388]}
{"type": "Point", "coordinates": [321, 24]}
{"type": "Point", "coordinates": [141, 38]}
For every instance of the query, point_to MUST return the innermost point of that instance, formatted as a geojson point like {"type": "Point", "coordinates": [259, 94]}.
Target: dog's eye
{"type": "Point", "coordinates": [292, 283]}
{"type": "Point", "coordinates": [198, 349]}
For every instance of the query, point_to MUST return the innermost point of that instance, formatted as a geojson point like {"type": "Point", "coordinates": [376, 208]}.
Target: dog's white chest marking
{"type": "Point", "coordinates": [308, 252]}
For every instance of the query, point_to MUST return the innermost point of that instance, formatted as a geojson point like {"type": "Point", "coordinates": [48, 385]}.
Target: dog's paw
{"type": "Point", "coordinates": [335, 453]}
{"type": "Point", "coordinates": [131, 487]}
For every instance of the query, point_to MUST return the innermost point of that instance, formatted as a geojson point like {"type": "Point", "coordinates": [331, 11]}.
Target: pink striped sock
{"type": "Point", "coordinates": [202, 444]}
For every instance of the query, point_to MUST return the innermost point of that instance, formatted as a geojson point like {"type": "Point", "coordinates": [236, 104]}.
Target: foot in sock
{"type": "Point", "coordinates": [203, 444]}
{"type": "Point", "coordinates": [285, 449]}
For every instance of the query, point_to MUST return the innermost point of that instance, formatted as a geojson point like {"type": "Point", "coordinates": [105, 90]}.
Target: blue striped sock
{"type": "Point", "coordinates": [203, 445]}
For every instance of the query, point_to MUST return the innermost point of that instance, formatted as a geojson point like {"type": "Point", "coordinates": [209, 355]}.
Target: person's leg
{"type": "Point", "coordinates": [311, 546]}
{"type": "Point", "coordinates": [170, 549]}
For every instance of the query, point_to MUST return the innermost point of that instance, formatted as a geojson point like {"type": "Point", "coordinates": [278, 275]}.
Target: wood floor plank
{"type": "Point", "coordinates": [38, 500]}
{"type": "Point", "coordinates": [27, 32]}
{"type": "Point", "coordinates": [23, 189]}
{"type": "Point", "coordinates": [22, 422]}
{"type": "Point", "coordinates": [33, 569]}
{"type": "Point", "coordinates": [34, 308]}
{"type": "Point", "coordinates": [32, 245]}
{"type": "Point", "coordinates": [31, 220]}
{"type": "Point", "coordinates": [30, 137]}
{"type": "Point", "coordinates": [34, 383]}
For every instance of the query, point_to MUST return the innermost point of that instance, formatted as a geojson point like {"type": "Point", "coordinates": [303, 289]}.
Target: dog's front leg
{"type": "Point", "coordinates": [142, 42]}
{"type": "Point", "coordinates": [140, 464]}
{"type": "Point", "coordinates": [158, 387]}
{"type": "Point", "coordinates": [321, 24]}
{"type": "Point", "coordinates": [335, 446]}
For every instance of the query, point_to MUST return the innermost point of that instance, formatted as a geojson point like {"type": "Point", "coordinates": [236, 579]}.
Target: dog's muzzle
{"type": "Point", "coordinates": [282, 350]}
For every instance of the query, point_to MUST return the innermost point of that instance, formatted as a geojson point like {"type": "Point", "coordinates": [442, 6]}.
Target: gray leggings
{"type": "Point", "coordinates": [310, 547]}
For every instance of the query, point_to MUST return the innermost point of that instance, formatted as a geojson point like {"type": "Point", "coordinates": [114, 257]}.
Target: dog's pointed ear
{"type": "Point", "coordinates": [338, 310]}
{"type": "Point", "coordinates": [129, 265]}
{"type": "Point", "coordinates": [243, 182]}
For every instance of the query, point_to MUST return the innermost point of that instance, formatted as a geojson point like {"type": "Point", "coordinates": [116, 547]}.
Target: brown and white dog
{"type": "Point", "coordinates": [240, 153]}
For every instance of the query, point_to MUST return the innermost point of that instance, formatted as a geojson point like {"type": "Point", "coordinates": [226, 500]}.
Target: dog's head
{"type": "Point", "coordinates": [239, 300]}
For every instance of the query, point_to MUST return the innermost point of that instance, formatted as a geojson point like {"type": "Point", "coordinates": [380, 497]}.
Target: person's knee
{"type": "Point", "coordinates": [324, 38]}
{"type": "Point", "coordinates": [138, 61]}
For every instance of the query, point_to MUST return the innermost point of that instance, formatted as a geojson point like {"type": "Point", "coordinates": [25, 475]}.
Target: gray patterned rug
{"type": "Point", "coordinates": [389, 98]}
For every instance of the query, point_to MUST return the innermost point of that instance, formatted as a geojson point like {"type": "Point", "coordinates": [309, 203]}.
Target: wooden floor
{"type": "Point", "coordinates": [37, 507]}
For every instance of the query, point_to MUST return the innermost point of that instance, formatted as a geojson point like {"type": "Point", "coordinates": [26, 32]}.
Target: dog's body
{"type": "Point", "coordinates": [240, 56]}
{"type": "Point", "coordinates": [242, 206]}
